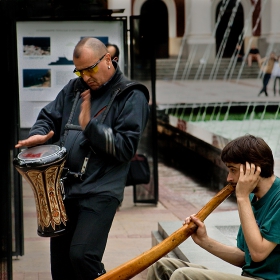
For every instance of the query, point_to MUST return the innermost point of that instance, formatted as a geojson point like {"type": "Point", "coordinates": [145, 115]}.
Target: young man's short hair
{"type": "Point", "coordinates": [250, 149]}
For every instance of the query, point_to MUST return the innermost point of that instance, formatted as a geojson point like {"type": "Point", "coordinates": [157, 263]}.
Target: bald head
{"type": "Point", "coordinates": [93, 62]}
{"type": "Point", "coordinates": [91, 43]}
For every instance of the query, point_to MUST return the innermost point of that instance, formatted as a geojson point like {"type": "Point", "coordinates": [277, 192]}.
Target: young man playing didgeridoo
{"type": "Point", "coordinates": [250, 166]}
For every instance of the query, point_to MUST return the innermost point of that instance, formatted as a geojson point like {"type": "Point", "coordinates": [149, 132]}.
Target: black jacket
{"type": "Point", "coordinates": [110, 145]}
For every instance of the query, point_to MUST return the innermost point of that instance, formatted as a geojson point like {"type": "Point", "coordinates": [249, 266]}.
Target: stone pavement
{"type": "Point", "coordinates": [179, 194]}
{"type": "Point", "coordinates": [245, 90]}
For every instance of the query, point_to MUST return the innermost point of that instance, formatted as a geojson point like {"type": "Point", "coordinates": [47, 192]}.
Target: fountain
{"type": "Point", "coordinates": [232, 119]}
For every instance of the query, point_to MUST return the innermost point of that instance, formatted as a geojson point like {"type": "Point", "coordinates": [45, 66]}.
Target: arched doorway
{"type": "Point", "coordinates": [153, 26]}
{"type": "Point", "coordinates": [236, 29]}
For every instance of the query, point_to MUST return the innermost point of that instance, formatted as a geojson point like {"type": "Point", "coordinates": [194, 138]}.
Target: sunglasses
{"type": "Point", "coordinates": [89, 70]}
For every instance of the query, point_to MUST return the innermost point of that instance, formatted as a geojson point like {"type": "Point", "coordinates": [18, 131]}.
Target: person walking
{"type": "Point", "coordinates": [250, 166]}
{"type": "Point", "coordinates": [267, 64]}
{"type": "Point", "coordinates": [100, 144]}
{"type": "Point", "coordinates": [276, 75]}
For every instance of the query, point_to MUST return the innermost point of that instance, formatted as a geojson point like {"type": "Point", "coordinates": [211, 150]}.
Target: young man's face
{"type": "Point", "coordinates": [233, 172]}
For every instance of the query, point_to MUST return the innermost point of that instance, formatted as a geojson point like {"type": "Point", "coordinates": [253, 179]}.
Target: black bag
{"type": "Point", "coordinates": [139, 171]}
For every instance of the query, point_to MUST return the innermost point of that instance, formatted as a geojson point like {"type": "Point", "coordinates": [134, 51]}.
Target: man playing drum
{"type": "Point", "coordinates": [99, 118]}
{"type": "Point", "coordinates": [250, 164]}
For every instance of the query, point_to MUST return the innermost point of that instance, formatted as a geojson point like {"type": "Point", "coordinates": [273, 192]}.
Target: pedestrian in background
{"type": "Point", "coordinates": [267, 64]}
{"type": "Point", "coordinates": [238, 53]}
{"type": "Point", "coordinates": [276, 75]}
{"type": "Point", "coordinates": [114, 51]}
{"type": "Point", "coordinates": [254, 55]}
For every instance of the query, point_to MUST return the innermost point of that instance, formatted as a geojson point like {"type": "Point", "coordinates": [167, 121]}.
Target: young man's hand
{"type": "Point", "coordinates": [200, 235]}
{"type": "Point", "coordinates": [248, 179]}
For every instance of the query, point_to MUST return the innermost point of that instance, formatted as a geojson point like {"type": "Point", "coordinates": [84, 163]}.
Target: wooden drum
{"type": "Point", "coordinates": [42, 167]}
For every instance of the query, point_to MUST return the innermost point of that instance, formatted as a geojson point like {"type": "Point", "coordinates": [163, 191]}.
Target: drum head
{"type": "Point", "coordinates": [40, 155]}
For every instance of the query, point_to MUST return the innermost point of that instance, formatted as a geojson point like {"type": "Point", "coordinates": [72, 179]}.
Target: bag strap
{"type": "Point", "coordinates": [109, 105]}
{"type": "Point", "coordinates": [127, 84]}
{"type": "Point", "coordinates": [66, 128]}
{"type": "Point", "coordinates": [120, 88]}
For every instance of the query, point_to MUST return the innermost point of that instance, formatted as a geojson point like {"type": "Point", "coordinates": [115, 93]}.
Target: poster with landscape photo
{"type": "Point", "coordinates": [45, 64]}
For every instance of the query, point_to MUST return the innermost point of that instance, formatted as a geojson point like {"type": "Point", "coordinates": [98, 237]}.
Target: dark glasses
{"type": "Point", "coordinates": [89, 70]}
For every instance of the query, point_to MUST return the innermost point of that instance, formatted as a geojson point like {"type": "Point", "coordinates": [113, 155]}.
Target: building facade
{"type": "Point", "coordinates": [211, 27]}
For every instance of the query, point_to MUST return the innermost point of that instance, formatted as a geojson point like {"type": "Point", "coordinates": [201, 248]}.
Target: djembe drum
{"type": "Point", "coordinates": [42, 167]}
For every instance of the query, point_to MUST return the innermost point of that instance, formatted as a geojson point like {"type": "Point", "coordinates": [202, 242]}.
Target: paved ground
{"type": "Point", "coordinates": [179, 194]}
{"type": "Point", "coordinates": [168, 92]}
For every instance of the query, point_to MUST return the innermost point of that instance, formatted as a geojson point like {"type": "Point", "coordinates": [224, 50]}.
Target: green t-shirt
{"type": "Point", "coordinates": [267, 214]}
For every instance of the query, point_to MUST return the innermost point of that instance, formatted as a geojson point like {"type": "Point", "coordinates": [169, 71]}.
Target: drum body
{"type": "Point", "coordinates": [42, 166]}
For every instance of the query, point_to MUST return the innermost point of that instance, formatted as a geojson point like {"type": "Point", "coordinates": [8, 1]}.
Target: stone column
{"type": "Point", "coordinates": [270, 29]}
{"type": "Point", "coordinates": [199, 29]}
{"type": "Point", "coordinates": [274, 36]}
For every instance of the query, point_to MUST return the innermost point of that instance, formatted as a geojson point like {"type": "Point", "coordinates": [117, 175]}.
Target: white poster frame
{"type": "Point", "coordinates": [44, 55]}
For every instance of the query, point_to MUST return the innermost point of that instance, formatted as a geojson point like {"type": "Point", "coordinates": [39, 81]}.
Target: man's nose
{"type": "Point", "coordinates": [229, 178]}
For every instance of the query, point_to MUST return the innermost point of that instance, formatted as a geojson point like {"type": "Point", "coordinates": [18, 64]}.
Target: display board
{"type": "Point", "coordinates": [45, 65]}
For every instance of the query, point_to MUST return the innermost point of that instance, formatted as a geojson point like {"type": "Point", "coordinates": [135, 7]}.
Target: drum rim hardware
{"type": "Point", "coordinates": [48, 159]}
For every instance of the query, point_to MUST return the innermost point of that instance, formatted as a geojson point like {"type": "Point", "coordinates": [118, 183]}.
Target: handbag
{"type": "Point", "coordinates": [139, 171]}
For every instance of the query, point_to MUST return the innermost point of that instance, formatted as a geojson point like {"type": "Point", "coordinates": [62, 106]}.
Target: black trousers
{"type": "Point", "coordinates": [77, 255]}
{"type": "Point", "coordinates": [266, 78]}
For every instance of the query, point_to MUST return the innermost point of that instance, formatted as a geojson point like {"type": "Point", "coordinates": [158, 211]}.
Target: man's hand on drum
{"type": "Point", "coordinates": [34, 140]}
{"type": "Point", "coordinates": [84, 117]}
{"type": "Point", "coordinates": [200, 235]}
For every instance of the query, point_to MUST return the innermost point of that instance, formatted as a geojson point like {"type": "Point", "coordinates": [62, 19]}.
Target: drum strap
{"type": "Point", "coordinates": [68, 125]}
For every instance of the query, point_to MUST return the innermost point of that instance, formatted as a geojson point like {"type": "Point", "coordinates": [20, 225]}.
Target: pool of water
{"type": "Point", "coordinates": [234, 119]}
{"type": "Point", "coordinates": [230, 129]}
{"type": "Point", "coordinates": [226, 111]}
{"type": "Point", "coordinates": [227, 121]}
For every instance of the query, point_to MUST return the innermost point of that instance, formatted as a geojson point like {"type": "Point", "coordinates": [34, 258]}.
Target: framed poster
{"type": "Point", "coordinates": [45, 65]}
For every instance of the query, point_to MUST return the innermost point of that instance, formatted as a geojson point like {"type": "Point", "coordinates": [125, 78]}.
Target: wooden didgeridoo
{"type": "Point", "coordinates": [133, 267]}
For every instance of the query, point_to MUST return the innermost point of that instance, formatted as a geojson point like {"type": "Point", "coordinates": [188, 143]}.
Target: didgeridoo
{"type": "Point", "coordinates": [133, 267]}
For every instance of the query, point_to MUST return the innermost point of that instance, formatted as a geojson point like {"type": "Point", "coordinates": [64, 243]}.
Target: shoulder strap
{"type": "Point", "coordinates": [68, 124]}
{"type": "Point", "coordinates": [109, 105]}
{"type": "Point", "coordinates": [120, 89]}
{"type": "Point", "coordinates": [130, 85]}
